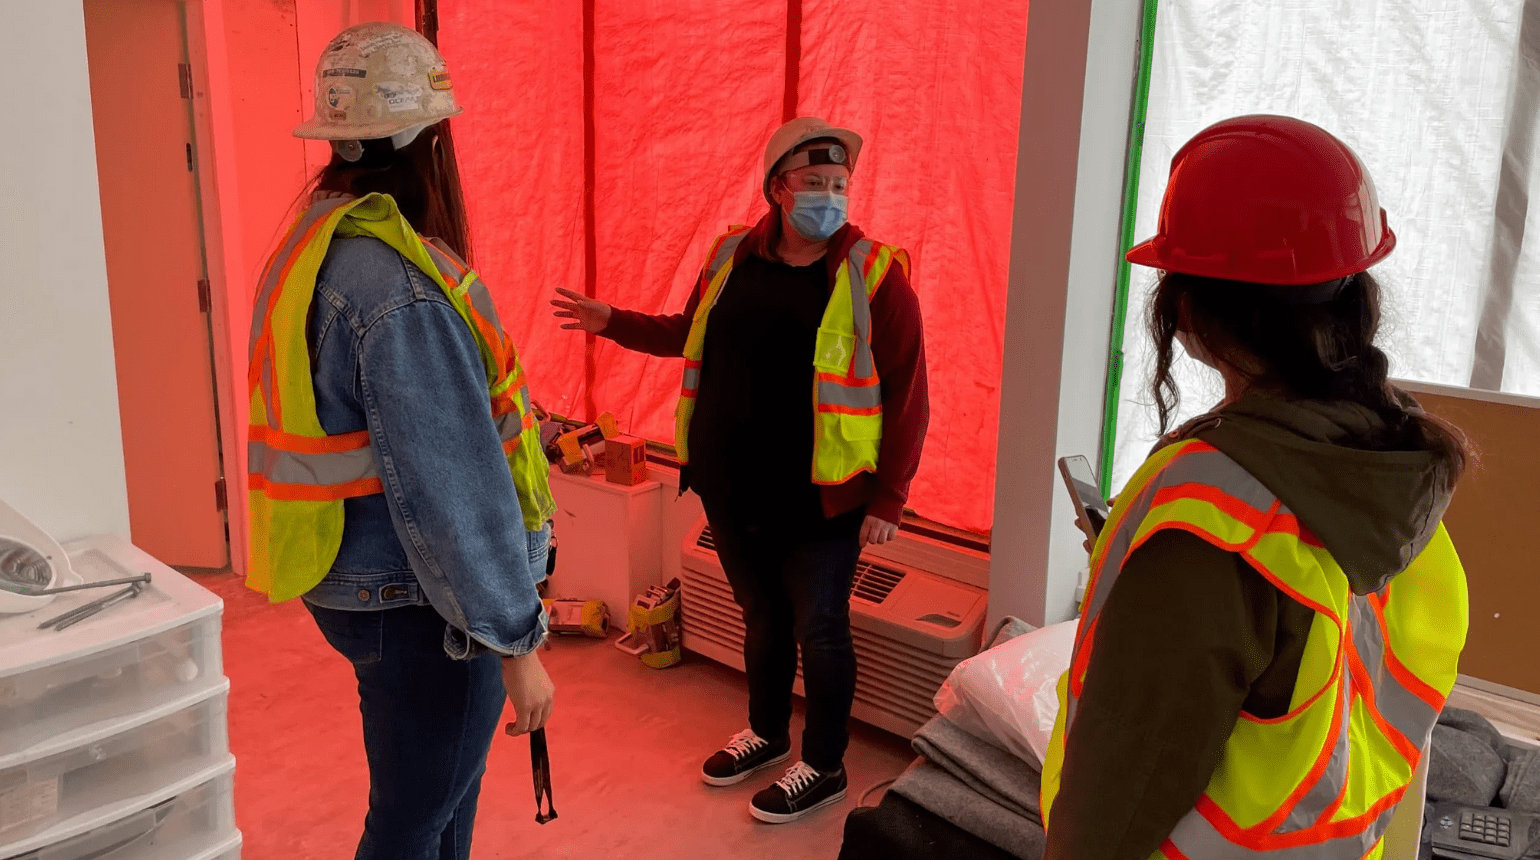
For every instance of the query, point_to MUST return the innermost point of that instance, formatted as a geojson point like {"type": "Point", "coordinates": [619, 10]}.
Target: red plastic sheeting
{"type": "Point", "coordinates": [684, 95]}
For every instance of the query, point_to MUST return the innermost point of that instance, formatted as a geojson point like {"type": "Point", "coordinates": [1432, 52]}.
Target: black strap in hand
{"type": "Point", "coordinates": [540, 763]}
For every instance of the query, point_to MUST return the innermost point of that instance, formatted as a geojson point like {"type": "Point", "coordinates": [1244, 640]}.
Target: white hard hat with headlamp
{"type": "Point", "coordinates": [781, 155]}
{"type": "Point", "coordinates": [377, 81]}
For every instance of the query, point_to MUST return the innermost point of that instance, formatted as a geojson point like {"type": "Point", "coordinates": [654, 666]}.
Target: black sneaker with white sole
{"type": "Point", "coordinates": [801, 791]}
{"type": "Point", "coordinates": [744, 755]}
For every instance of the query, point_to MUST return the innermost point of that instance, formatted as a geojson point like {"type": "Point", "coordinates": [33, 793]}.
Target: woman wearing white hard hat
{"type": "Point", "coordinates": [801, 287]}
{"type": "Point", "coordinates": [396, 474]}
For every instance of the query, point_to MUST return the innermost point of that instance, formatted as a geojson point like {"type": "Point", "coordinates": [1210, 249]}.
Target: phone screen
{"type": "Point", "coordinates": [1090, 507]}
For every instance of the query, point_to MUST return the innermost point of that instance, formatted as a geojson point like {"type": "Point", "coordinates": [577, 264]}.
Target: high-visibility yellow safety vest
{"type": "Point", "coordinates": [847, 395]}
{"type": "Point", "coordinates": [1322, 782]}
{"type": "Point", "coordinates": [299, 476]}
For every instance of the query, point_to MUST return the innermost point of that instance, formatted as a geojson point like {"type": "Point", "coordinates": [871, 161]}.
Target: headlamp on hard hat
{"type": "Point", "coordinates": [833, 153]}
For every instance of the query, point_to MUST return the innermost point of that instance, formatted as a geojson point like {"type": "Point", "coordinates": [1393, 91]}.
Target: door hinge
{"type": "Point", "coordinates": [205, 296]}
{"type": "Point", "coordinates": [221, 498]}
{"type": "Point", "coordinates": [184, 76]}
{"type": "Point", "coordinates": [189, 158]}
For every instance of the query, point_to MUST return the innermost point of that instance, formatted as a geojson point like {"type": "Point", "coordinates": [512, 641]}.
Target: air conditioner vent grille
{"type": "Point", "coordinates": [873, 582]}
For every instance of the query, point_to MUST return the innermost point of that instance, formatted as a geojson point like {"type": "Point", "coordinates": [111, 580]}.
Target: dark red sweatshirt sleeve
{"type": "Point", "coordinates": [655, 334]}
{"type": "Point", "coordinates": [898, 348]}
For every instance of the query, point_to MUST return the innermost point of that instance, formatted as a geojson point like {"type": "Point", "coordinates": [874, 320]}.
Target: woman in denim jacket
{"type": "Point", "coordinates": [432, 596]}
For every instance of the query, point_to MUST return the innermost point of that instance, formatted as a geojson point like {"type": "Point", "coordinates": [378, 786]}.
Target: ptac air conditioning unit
{"type": "Point", "coordinates": [911, 627]}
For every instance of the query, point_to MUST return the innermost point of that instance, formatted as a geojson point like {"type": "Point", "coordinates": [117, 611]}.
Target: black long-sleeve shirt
{"type": "Point", "coordinates": [751, 439]}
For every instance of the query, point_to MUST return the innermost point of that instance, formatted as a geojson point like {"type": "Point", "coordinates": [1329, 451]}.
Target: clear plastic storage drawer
{"type": "Point", "coordinates": [134, 656]}
{"type": "Point", "coordinates": [78, 776]}
{"type": "Point", "coordinates": [109, 685]}
{"type": "Point", "coordinates": [196, 823]}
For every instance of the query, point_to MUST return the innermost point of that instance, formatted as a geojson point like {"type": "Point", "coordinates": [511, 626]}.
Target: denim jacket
{"type": "Point", "coordinates": [389, 354]}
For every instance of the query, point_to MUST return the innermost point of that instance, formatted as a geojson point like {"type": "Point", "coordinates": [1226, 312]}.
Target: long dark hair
{"type": "Point", "coordinates": [423, 177]}
{"type": "Point", "coordinates": [1323, 351]}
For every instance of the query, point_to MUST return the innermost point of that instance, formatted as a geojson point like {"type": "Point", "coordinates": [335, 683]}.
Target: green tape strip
{"type": "Point", "coordinates": [1126, 239]}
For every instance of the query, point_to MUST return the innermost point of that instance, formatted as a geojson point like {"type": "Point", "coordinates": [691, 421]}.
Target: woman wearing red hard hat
{"type": "Point", "coordinates": [801, 287]}
{"type": "Point", "coordinates": [1275, 613]}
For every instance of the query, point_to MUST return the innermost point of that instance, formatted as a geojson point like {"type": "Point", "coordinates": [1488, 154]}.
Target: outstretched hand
{"type": "Point", "coordinates": [585, 314]}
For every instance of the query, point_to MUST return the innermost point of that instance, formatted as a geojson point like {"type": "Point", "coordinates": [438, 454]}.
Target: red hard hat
{"type": "Point", "coordinates": [1268, 200]}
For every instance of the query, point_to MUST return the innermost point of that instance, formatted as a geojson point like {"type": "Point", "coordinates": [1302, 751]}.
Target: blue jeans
{"type": "Point", "coordinates": [794, 590]}
{"type": "Point", "coordinates": [428, 724]}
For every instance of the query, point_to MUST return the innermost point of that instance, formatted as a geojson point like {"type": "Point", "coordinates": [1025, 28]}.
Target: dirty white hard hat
{"type": "Point", "coordinates": [379, 80]}
{"type": "Point", "coordinates": [799, 131]}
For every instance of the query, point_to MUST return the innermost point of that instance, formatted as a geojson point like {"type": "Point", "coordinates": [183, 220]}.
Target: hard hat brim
{"type": "Point", "coordinates": [1146, 254]}
{"type": "Point", "coordinates": [321, 129]}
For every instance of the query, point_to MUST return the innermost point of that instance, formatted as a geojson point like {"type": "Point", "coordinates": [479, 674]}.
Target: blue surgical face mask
{"type": "Point", "coordinates": [817, 215]}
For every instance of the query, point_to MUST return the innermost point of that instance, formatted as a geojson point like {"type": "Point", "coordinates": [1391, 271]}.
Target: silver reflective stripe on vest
{"type": "Point", "coordinates": [723, 256]}
{"type": "Point", "coordinates": [1196, 838]}
{"type": "Point", "coordinates": [481, 299]}
{"type": "Point", "coordinates": [1210, 468]}
{"type": "Point", "coordinates": [1329, 787]}
{"type": "Point", "coordinates": [692, 379]}
{"type": "Point", "coordinates": [321, 210]}
{"type": "Point", "coordinates": [851, 396]}
{"type": "Point", "coordinates": [510, 425]}
{"type": "Point", "coordinates": [268, 393]}
{"type": "Point", "coordinates": [475, 289]}
{"type": "Point", "coordinates": [861, 308]}
{"type": "Point", "coordinates": [320, 470]}
{"type": "Point", "coordinates": [1400, 707]}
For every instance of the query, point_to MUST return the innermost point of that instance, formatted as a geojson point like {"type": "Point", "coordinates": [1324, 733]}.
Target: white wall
{"type": "Point", "coordinates": [1064, 252]}
{"type": "Point", "coordinates": [61, 448]}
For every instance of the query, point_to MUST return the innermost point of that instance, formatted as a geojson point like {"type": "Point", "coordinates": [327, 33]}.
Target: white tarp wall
{"type": "Point", "coordinates": [1439, 98]}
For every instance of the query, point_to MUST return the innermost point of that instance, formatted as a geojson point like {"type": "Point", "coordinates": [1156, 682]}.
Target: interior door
{"type": "Point", "coordinates": [146, 163]}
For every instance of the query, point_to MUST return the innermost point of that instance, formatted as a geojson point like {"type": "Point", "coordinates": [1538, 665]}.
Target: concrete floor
{"type": "Point", "coordinates": [626, 747]}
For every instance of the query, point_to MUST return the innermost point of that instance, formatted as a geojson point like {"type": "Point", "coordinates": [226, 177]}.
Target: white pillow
{"type": "Point", "coordinates": [1008, 695]}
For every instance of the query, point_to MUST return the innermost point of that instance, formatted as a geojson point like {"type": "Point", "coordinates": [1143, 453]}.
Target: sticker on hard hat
{"type": "Point", "coordinates": [400, 97]}
{"type": "Point", "coordinates": [340, 96]}
{"type": "Point", "coordinates": [439, 80]}
{"type": "Point", "coordinates": [344, 73]}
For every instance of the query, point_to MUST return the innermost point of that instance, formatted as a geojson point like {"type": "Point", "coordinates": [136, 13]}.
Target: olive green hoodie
{"type": "Point", "coordinates": [1374, 509]}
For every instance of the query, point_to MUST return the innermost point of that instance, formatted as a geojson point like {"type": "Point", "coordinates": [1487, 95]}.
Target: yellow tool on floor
{"type": "Point", "coordinates": [654, 627]}
{"type": "Point", "coordinates": [588, 617]}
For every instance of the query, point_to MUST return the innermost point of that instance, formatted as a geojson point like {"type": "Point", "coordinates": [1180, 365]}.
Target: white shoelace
{"type": "Point", "coordinates": [797, 779]}
{"type": "Point", "coordinates": [745, 743]}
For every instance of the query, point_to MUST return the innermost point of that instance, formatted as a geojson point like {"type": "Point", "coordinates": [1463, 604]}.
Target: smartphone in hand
{"type": "Point", "coordinates": [1085, 491]}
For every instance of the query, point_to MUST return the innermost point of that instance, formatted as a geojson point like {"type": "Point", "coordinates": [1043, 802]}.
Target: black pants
{"type": "Point", "coordinates": [793, 585]}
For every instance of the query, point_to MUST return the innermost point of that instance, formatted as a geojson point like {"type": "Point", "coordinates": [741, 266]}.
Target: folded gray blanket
{"type": "Point", "coordinates": [1521, 789]}
{"type": "Point", "coordinates": [977, 786]}
{"type": "Point", "coordinates": [984, 768]}
{"type": "Point", "coordinates": [1464, 767]}
{"type": "Point", "coordinates": [947, 797]}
